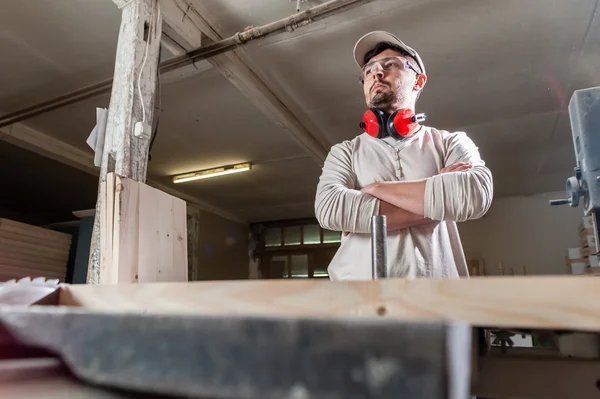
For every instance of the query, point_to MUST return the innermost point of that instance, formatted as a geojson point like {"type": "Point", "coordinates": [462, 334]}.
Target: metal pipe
{"type": "Point", "coordinates": [379, 267]}
{"type": "Point", "coordinates": [596, 226]}
{"type": "Point", "coordinates": [286, 24]}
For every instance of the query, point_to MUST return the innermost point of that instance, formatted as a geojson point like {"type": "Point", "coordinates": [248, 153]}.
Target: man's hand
{"type": "Point", "coordinates": [370, 188]}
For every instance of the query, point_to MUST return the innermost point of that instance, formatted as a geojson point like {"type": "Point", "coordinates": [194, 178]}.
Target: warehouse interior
{"type": "Point", "coordinates": [501, 71]}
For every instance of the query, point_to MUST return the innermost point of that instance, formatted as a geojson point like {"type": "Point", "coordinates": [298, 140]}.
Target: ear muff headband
{"type": "Point", "coordinates": [399, 125]}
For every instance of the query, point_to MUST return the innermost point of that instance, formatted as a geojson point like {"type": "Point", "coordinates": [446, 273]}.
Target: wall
{"type": "Point", "coordinates": [526, 231]}
{"type": "Point", "coordinates": [222, 249]}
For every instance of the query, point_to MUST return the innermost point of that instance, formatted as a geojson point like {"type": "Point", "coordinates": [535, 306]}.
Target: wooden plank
{"type": "Point", "coordinates": [51, 236]}
{"type": "Point", "coordinates": [126, 231]}
{"type": "Point", "coordinates": [163, 237]}
{"type": "Point", "coordinates": [32, 257]}
{"type": "Point", "coordinates": [40, 271]}
{"type": "Point", "coordinates": [33, 251]}
{"type": "Point", "coordinates": [197, 203]}
{"type": "Point", "coordinates": [106, 274]}
{"type": "Point", "coordinates": [504, 302]}
{"type": "Point", "coordinates": [145, 235]}
{"type": "Point", "coordinates": [21, 272]}
{"type": "Point", "coordinates": [46, 251]}
{"type": "Point", "coordinates": [27, 239]}
{"type": "Point", "coordinates": [21, 261]}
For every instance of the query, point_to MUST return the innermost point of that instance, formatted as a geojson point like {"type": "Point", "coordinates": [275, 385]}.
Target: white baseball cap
{"type": "Point", "coordinates": [371, 39]}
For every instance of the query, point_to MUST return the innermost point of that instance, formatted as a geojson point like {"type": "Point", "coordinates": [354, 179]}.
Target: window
{"type": "Point", "coordinates": [310, 262]}
{"type": "Point", "coordinates": [279, 267]}
{"type": "Point", "coordinates": [312, 234]}
{"type": "Point", "coordinates": [331, 236]}
{"type": "Point", "coordinates": [273, 237]}
{"type": "Point", "coordinates": [298, 234]}
{"type": "Point", "coordinates": [299, 265]}
{"type": "Point", "coordinates": [292, 235]}
{"type": "Point", "coordinates": [321, 260]}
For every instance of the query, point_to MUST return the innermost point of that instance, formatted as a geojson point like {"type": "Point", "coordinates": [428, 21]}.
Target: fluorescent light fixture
{"type": "Point", "coordinates": [205, 174]}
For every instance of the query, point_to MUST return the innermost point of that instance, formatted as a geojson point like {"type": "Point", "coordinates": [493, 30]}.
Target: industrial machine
{"type": "Point", "coordinates": [584, 112]}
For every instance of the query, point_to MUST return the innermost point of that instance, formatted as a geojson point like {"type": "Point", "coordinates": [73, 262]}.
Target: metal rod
{"type": "Point", "coordinates": [290, 23]}
{"type": "Point", "coordinates": [596, 226]}
{"type": "Point", "coordinates": [379, 267]}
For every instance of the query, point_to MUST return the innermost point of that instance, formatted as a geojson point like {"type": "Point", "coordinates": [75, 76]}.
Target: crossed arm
{"type": "Point", "coordinates": [403, 202]}
{"type": "Point", "coordinates": [462, 191]}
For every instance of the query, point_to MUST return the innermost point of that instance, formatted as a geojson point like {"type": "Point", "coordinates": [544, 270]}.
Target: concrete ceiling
{"type": "Point", "coordinates": [502, 71]}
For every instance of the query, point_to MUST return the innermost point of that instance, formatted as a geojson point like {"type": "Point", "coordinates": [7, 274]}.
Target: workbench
{"type": "Point", "coordinates": [304, 338]}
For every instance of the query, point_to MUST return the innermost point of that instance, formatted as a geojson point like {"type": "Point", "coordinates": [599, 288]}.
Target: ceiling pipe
{"type": "Point", "coordinates": [287, 24]}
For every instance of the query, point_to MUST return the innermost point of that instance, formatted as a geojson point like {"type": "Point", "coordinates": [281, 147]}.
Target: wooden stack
{"type": "Point", "coordinates": [31, 251]}
{"type": "Point", "coordinates": [584, 260]}
{"type": "Point", "coordinates": [576, 262]}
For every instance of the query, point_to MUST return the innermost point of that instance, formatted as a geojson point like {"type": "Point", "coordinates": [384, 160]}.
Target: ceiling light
{"type": "Point", "coordinates": [205, 174]}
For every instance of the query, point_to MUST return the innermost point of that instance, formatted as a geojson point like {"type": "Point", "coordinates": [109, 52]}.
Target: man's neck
{"type": "Point", "coordinates": [390, 109]}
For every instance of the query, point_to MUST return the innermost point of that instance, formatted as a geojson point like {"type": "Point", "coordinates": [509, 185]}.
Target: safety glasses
{"type": "Point", "coordinates": [387, 64]}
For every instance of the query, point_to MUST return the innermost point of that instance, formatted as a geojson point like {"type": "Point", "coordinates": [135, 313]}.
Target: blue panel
{"type": "Point", "coordinates": [83, 250]}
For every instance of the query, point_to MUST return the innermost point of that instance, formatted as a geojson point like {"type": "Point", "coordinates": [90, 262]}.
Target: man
{"type": "Point", "coordinates": [423, 181]}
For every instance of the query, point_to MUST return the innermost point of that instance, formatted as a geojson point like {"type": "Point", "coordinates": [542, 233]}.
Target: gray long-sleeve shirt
{"type": "Point", "coordinates": [433, 250]}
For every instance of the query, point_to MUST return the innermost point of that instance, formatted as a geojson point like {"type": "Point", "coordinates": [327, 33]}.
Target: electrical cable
{"type": "Point", "coordinates": [150, 29]}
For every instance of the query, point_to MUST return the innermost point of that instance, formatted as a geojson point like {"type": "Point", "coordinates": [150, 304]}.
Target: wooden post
{"type": "Point", "coordinates": [132, 101]}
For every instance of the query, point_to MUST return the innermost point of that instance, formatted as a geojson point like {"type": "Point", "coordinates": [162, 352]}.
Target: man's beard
{"type": "Point", "coordinates": [382, 99]}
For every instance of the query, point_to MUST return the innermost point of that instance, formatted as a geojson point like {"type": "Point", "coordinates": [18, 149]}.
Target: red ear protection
{"type": "Point", "coordinates": [399, 125]}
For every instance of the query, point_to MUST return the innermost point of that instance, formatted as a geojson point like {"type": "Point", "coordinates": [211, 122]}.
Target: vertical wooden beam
{"type": "Point", "coordinates": [132, 97]}
{"type": "Point", "coordinates": [132, 102]}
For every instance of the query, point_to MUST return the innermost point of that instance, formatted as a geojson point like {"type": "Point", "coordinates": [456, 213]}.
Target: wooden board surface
{"type": "Point", "coordinates": [558, 302]}
{"type": "Point", "coordinates": [32, 251]}
{"type": "Point", "coordinates": [143, 233]}
{"type": "Point", "coordinates": [163, 248]}
{"type": "Point", "coordinates": [47, 235]}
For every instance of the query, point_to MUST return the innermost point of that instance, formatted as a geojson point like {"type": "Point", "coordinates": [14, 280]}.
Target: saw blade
{"type": "Point", "coordinates": [28, 291]}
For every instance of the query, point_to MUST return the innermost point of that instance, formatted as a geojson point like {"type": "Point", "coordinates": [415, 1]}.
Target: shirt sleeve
{"type": "Point", "coordinates": [459, 196]}
{"type": "Point", "coordinates": [339, 203]}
